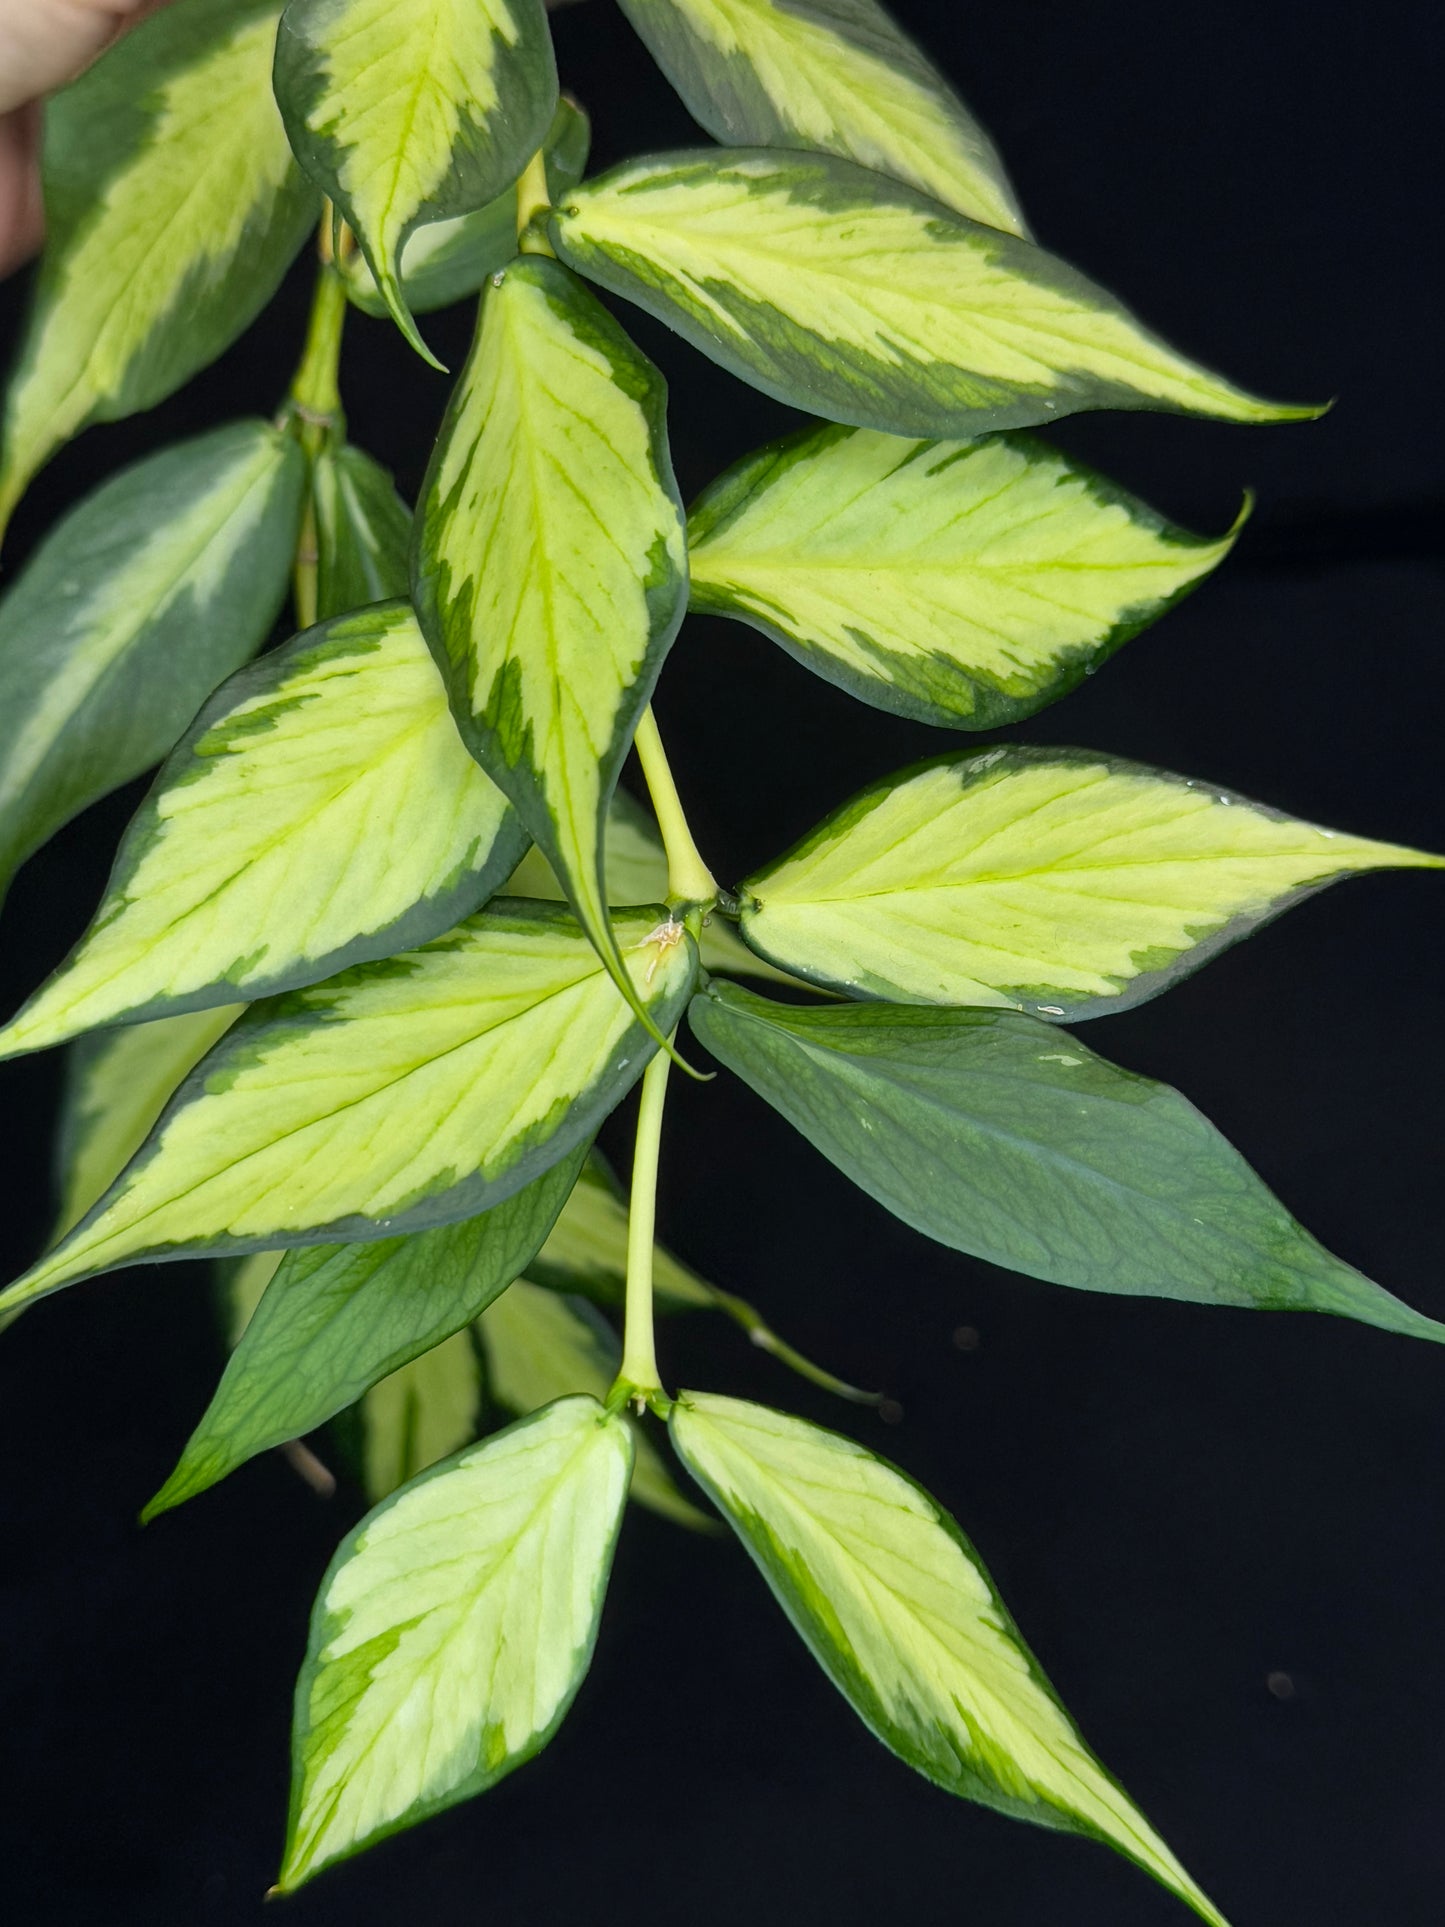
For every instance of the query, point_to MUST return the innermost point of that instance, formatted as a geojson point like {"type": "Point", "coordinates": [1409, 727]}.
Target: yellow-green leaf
{"type": "Point", "coordinates": [541, 1346]}
{"type": "Point", "coordinates": [959, 583]}
{"type": "Point", "coordinates": [586, 1250]}
{"type": "Point", "coordinates": [835, 75]}
{"type": "Point", "coordinates": [321, 811]}
{"type": "Point", "coordinates": [404, 1093]}
{"type": "Point", "coordinates": [363, 533]}
{"type": "Point", "coordinates": [420, 1414]}
{"type": "Point", "coordinates": [448, 260]}
{"type": "Point", "coordinates": [551, 564]}
{"type": "Point", "coordinates": [411, 111]}
{"type": "Point", "coordinates": [635, 871]}
{"type": "Point", "coordinates": [173, 207]}
{"type": "Point", "coordinates": [452, 1631]}
{"type": "Point", "coordinates": [897, 1608]}
{"type": "Point", "coordinates": [116, 1086]}
{"type": "Point", "coordinates": [857, 298]}
{"type": "Point", "coordinates": [134, 607]}
{"type": "Point", "coordinates": [1059, 882]}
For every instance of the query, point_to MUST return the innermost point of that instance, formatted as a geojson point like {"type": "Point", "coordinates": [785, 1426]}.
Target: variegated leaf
{"type": "Point", "coordinates": [1055, 881]}
{"type": "Point", "coordinates": [133, 608]}
{"type": "Point", "coordinates": [363, 533]}
{"type": "Point", "coordinates": [551, 568]}
{"type": "Point", "coordinates": [116, 1086]}
{"type": "Point", "coordinates": [586, 1250]}
{"type": "Point", "coordinates": [401, 1094]}
{"type": "Point", "coordinates": [173, 207]}
{"type": "Point", "coordinates": [452, 1631]}
{"type": "Point", "coordinates": [835, 75]}
{"type": "Point", "coordinates": [897, 1608]}
{"type": "Point", "coordinates": [857, 298]}
{"type": "Point", "coordinates": [423, 1412]}
{"type": "Point", "coordinates": [960, 583]}
{"type": "Point", "coordinates": [336, 1320]}
{"type": "Point", "coordinates": [411, 111]}
{"type": "Point", "coordinates": [993, 1133]}
{"type": "Point", "coordinates": [540, 1346]}
{"type": "Point", "coordinates": [635, 871]}
{"type": "Point", "coordinates": [448, 260]}
{"type": "Point", "coordinates": [321, 811]}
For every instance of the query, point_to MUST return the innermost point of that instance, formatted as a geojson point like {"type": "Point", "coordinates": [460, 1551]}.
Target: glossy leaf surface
{"type": "Point", "coordinates": [453, 1630]}
{"type": "Point", "coordinates": [1057, 881]}
{"type": "Point", "coordinates": [337, 1319]}
{"type": "Point", "coordinates": [321, 812]}
{"type": "Point", "coordinates": [401, 1094]}
{"type": "Point", "coordinates": [448, 260]}
{"type": "Point", "coordinates": [139, 601]}
{"type": "Point", "coordinates": [834, 75]}
{"type": "Point", "coordinates": [997, 1135]}
{"type": "Point", "coordinates": [895, 1605]}
{"type": "Point", "coordinates": [410, 111]}
{"type": "Point", "coordinates": [854, 297]}
{"type": "Point", "coordinates": [540, 1346]}
{"type": "Point", "coordinates": [116, 1086]}
{"type": "Point", "coordinates": [363, 533]}
{"type": "Point", "coordinates": [173, 207]}
{"type": "Point", "coordinates": [960, 583]}
{"type": "Point", "coordinates": [551, 564]}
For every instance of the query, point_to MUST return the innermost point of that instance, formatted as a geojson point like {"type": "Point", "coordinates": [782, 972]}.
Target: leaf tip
{"type": "Point", "coordinates": [391, 294]}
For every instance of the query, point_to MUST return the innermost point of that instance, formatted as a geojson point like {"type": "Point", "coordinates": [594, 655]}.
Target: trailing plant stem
{"type": "Point", "coordinates": [315, 399]}
{"type": "Point", "coordinates": [638, 1373]}
{"type": "Point", "coordinates": [689, 880]}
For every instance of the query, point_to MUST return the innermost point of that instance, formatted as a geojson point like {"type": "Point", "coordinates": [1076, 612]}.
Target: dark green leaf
{"type": "Point", "coordinates": [999, 1135]}
{"type": "Point", "coordinates": [335, 1319]}
{"type": "Point", "coordinates": [363, 533]}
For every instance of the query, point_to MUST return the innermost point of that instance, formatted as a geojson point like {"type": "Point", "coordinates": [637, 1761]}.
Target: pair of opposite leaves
{"type": "Point", "coordinates": [324, 807]}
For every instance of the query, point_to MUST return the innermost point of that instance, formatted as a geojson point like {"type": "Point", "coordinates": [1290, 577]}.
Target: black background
{"type": "Point", "coordinates": [1177, 1502]}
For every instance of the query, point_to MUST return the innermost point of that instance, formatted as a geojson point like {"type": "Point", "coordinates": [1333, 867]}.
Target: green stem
{"type": "Point", "coordinates": [689, 880]}
{"type": "Point", "coordinates": [534, 197]}
{"type": "Point", "coordinates": [638, 1372]}
{"type": "Point", "coordinates": [314, 402]}
{"type": "Point", "coordinates": [767, 1340]}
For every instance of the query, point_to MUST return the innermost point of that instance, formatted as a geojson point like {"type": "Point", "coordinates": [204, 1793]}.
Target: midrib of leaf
{"type": "Point", "coordinates": [68, 690]}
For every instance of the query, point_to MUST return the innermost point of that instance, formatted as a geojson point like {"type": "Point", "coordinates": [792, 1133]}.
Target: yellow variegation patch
{"type": "Point", "coordinates": [552, 563]}
{"type": "Point", "coordinates": [897, 1609]}
{"type": "Point", "coordinates": [1054, 881]}
{"type": "Point", "coordinates": [961, 583]}
{"type": "Point", "coordinates": [173, 206]}
{"type": "Point", "coordinates": [414, 1091]}
{"type": "Point", "coordinates": [783, 73]}
{"type": "Point", "coordinates": [410, 111]}
{"type": "Point", "coordinates": [541, 1346]}
{"type": "Point", "coordinates": [864, 301]}
{"type": "Point", "coordinates": [321, 811]}
{"type": "Point", "coordinates": [116, 1088]}
{"type": "Point", "coordinates": [421, 1413]}
{"type": "Point", "coordinates": [453, 1630]}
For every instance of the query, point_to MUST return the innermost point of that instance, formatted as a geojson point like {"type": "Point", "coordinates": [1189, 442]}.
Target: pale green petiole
{"type": "Point", "coordinates": [638, 1377]}
{"type": "Point", "coordinates": [315, 400]}
{"type": "Point", "coordinates": [689, 880]}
